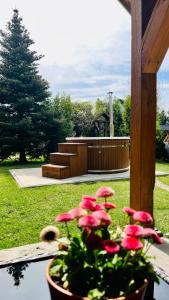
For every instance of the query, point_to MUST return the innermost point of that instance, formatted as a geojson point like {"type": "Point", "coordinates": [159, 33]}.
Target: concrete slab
{"type": "Point", "coordinates": [43, 250]}
{"type": "Point", "coordinates": [161, 259]}
{"type": "Point", "coordinates": [32, 177]}
{"type": "Point", "coordinates": [27, 252]}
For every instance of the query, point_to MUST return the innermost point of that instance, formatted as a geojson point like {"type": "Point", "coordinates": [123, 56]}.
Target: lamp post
{"type": "Point", "coordinates": [111, 114]}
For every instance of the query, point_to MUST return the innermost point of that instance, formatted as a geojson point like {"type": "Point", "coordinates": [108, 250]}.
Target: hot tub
{"type": "Point", "coordinates": [105, 154]}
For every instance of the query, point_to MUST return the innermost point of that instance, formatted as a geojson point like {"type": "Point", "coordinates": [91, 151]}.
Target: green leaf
{"type": "Point", "coordinates": [95, 294]}
{"type": "Point", "coordinates": [54, 271]}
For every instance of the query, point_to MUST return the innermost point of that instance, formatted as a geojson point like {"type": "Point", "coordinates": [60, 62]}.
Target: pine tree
{"type": "Point", "coordinates": [23, 93]}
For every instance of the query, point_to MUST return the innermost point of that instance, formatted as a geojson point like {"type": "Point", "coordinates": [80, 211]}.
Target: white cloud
{"type": "Point", "coordinates": [98, 69]}
{"type": "Point", "coordinates": [86, 44]}
{"type": "Point", "coordinates": [165, 63]}
{"type": "Point", "coordinates": [59, 27]}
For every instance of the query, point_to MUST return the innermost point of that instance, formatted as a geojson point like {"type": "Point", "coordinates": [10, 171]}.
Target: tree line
{"type": "Point", "coordinates": [31, 122]}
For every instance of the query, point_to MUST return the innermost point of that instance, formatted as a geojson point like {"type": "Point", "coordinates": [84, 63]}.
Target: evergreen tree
{"type": "Point", "coordinates": [22, 93]}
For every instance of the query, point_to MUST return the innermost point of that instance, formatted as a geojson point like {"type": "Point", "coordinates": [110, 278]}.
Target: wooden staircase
{"type": "Point", "coordinates": [71, 160]}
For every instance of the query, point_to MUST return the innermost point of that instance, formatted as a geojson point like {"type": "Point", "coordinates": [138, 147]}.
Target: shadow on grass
{"type": "Point", "coordinates": [8, 164]}
{"type": "Point", "coordinates": [100, 181]}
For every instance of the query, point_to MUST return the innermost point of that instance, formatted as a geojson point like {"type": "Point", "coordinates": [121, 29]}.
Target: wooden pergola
{"type": "Point", "coordinates": [150, 42]}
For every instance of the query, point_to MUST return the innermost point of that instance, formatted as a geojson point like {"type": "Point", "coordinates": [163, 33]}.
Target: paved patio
{"type": "Point", "coordinates": [32, 177]}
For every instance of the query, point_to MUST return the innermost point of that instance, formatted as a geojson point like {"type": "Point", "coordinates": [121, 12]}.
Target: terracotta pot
{"type": "Point", "coordinates": [58, 293]}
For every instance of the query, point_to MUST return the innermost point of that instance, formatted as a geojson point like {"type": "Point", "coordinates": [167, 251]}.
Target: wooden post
{"type": "Point", "coordinates": [143, 116]}
{"type": "Point", "coordinates": [126, 4]}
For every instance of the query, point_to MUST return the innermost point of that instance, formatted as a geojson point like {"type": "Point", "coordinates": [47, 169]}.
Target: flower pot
{"type": "Point", "coordinates": [58, 293]}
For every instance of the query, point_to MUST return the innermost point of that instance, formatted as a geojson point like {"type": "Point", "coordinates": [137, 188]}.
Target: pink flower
{"type": "Point", "coordinates": [129, 211]}
{"type": "Point", "coordinates": [103, 217]}
{"type": "Point", "coordinates": [88, 204]}
{"type": "Point", "coordinates": [89, 221]}
{"type": "Point", "coordinates": [65, 217]}
{"type": "Point", "coordinates": [143, 217]}
{"type": "Point", "coordinates": [94, 241]}
{"type": "Point", "coordinates": [105, 192]}
{"type": "Point", "coordinates": [131, 243]}
{"type": "Point", "coordinates": [98, 207]}
{"type": "Point", "coordinates": [151, 232]}
{"type": "Point", "coordinates": [88, 197]}
{"type": "Point", "coordinates": [110, 246]}
{"type": "Point", "coordinates": [108, 205]}
{"type": "Point", "coordinates": [77, 212]}
{"type": "Point", "coordinates": [133, 230]}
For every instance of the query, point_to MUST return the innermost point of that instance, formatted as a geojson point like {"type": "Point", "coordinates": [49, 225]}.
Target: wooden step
{"type": "Point", "coordinates": [80, 165]}
{"type": "Point", "coordinates": [71, 147]}
{"type": "Point", "coordinates": [55, 171]}
{"type": "Point", "coordinates": [60, 158]}
{"type": "Point", "coordinates": [72, 155]}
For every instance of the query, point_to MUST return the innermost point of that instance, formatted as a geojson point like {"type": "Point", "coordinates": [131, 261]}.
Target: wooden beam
{"type": "Point", "coordinates": [126, 4]}
{"type": "Point", "coordinates": [156, 38]}
{"type": "Point", "coordinates": [143, 115]}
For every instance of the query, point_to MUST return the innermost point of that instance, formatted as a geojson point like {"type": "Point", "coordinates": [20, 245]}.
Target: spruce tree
{"type": "Point", "coordinates": [23, 93]}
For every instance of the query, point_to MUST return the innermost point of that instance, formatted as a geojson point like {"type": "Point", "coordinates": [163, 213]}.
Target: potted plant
{"type": "Point", "coordinates": [102, 261]}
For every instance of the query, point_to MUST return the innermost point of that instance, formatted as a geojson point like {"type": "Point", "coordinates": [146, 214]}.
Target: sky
{"type": "Point", "coordinates": [86, 46]}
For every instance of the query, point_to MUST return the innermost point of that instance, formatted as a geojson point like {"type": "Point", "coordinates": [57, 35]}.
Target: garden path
{"type": "Point", "coordinates": [162, 185]}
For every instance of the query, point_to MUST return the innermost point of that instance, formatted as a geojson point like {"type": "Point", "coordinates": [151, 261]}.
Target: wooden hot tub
{"type": "Point", "coordinates": [105, 154]}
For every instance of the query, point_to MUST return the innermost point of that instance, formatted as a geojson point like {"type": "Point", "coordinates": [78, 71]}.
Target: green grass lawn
{"type": "Point", "coordinates": [164, 179]}
{"type": "Point", "coordinates": [24, 212]}
{"type": "Point", "coordinates": [163, 166]}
